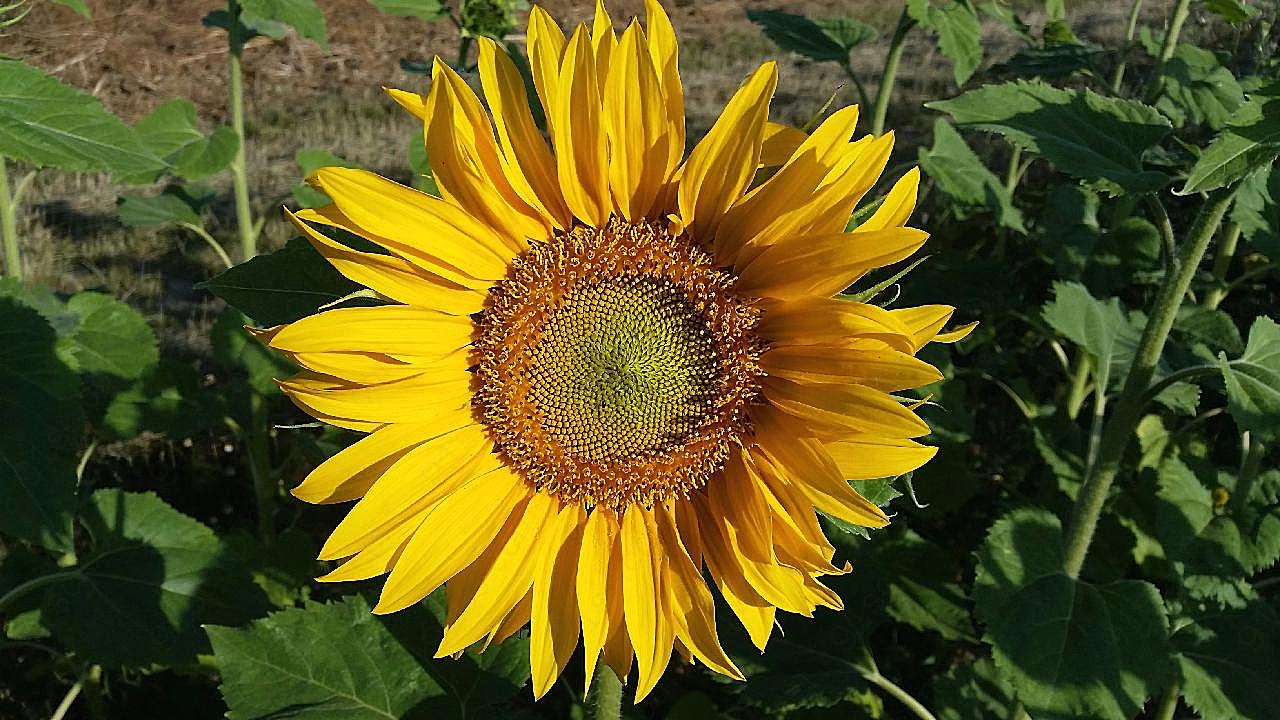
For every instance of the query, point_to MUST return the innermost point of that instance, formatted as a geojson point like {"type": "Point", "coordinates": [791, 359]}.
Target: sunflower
{"type": "Point", "coordinates": [608, 371]}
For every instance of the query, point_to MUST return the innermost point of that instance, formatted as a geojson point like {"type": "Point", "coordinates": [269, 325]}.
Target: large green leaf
{"type": "Point", "coordinates": [309, 160]}
{"type": "Point", "coordinates": [281, 287]}
{"type": "Point", "coordinates": [1249, 142]}
{"type": "Point", "coordinates": [1228, 660]}
{"type": "Point", "coordinates": [1069, 648]}
{"type": "Point", "coordinates": [42, 420]}
{"type": "Point", "coordinates": [1253, 382]}
{"type": "Point", "coordinates": [1257, 211]}
{"type": "Point", "coordinates": [170, 127]}
{"type": "Point", "coordinates": [208, 156]}
{"type": "Point", "coordinates": [429, 10]}
{"type": "Point", "coordinates": [109, 339]}
{"type": "Point", "coordinates": [959, 33]}
{"type": "Point", "coordinates": [961, 175]}
{"type": "Point", "coordinates": [338, 660]}
{"type": "Point", "coordinates": [153, 578]}
{"type": "Point", "coordinates": [818, 39]}
{"type": "Point", "coordinates": [49, 123]}
{"type": "Point", "coordinates": [1198, 88]}
{"type": "Point", "coordinates": [1083, 134]}
{"type": "Point", "coordinates": [1103, 329]}
{"type": "Point", "coordinates": [168, 399]}
{"type": "Point", "coordinates": [304, 16]}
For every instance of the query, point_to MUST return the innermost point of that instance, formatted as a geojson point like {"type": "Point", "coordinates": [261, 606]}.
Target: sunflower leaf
{"type": "Point", "coordinates": [49, 123]}
{"type": "Point", "coordinates": [1249, 142]}
{"type": "Point", "coordinates": [297, 663]}
{"type": "Point", "coordinates": [1257, 211]}
{"type": "Point", "coordinates": [1253, 382]}
{"type": "Point", "coordinates": [1103, 329]}
{"type": "Point", "coordinates": [428, 10]}
{"type": "Point", "coordinates": [266, 17]}
{"type": "Point", "coordinates": [823, 40]}
{"type": "Point", "coordinates": [1228, 660]}
{"type": "Point", "coordinates": [286, 285]}
{"type": "Point", "coordinates": [153, 577]}
{"type": "Point", "coordinates": [40, 411]}
{"type": "Point", "coordinates": [961, 175]}
{"type": "Point", "coordinates": [959, 33]}
{"type": "Point", "coordinates": [1083, 134]}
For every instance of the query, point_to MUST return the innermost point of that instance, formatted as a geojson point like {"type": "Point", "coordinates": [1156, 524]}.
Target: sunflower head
{"type": "Point", "coordinates": [608, 371]}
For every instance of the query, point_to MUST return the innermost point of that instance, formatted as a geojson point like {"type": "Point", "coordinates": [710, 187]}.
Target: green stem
{"type": "Point", "coordinates": [67, 700]}
{"type": "Point", "coordinates": [1163, 224]}
{"type": "Point", "coordinates": [239, 172]}
{"type": "Point", "coordinates": [1014, 173]}
{"type": "Point", "coordinates": [1169, 701]}
{"type": "Point", "coordinates": [464, 49]}
{"type": "Point", "coordinates": [265, 487]}
{"type": "Point", "coordinates": [1248, 473]}
{"type": "Point", "coordinates": [863, 98]}
{"type": "Point", "coordinates": [1079, 384]}
{"type": "Point", "coordinates": [217, 246]}
{"type": "Point", "coordinates": [887, 78]}
{"type": "Point", "coordinates": [1099, 415]}
{"type": "Point", "coordinates": [1156, 85]}
{"type": "Point", "coordinates": [897, 693]}
{"type": "Point", "coordinates": [1187, 373]}
{"type": "Point", "coordinates": [605, 697]}
{"type": "Point", "coordinates": [1119, 431]}
{"type": "Point", "coordinates": [1118, 78]}
{"type": "Point", "coordinates": [9, 226]}
{"type": "Point", "coordinates": [1221, 264]}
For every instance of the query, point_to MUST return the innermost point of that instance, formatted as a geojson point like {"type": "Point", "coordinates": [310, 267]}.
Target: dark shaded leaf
{"type": "Point", "coordinates": [961, 175]}
{"type": "Point", "coordinates": [1249, 142]}
{"type": "Point", "coordinates": [959, 34]}
{"type": "Point", "coordinates": [1253, 382]}
{"type": "Point", "coordinates": [286, 285]}
{"type": "Point", "coordinates": [828, 40]}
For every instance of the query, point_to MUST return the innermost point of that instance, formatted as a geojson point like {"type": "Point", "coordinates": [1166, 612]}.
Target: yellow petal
{"type": "Point", "coordinates": [756, 214]}
{"type": "Point", "coordinates": [393, 329]}
{"type": "Point", "coordinates": [393, 277]}
{"type": "Point", "coordinates": [452, 537]}
{"type": "Point", "coordinates": [505, 577]}
{"type": "Point", "coordinates": [414, 399]}
{"type": "Point", "coordinates": [666, 60]}
{"type": "Point", "coordinates": [754, 612]}
{"type": "Point", "coordinates": [725, 160]}
{"type": "Point", "coordinates": [603, 42]}
{"type": "Point", "coordinates": [425, 475]}
{"type": "Point", "coordinates": [823, 265]}
{"type": "Point", "coordinates": [618, 653]}
{"type": "Point", "coordinates": [832, 410]}
{"type": "Point", "coordinates": [598, 540]}
{"type": "Point", "coordinates": [349, 474]}
{"type": "Point", "coordinates": [886, 370]}
{"type": "Point", "coordinates": [468, 168]}
{"type": "Point", "coordinates": [636, 127]}
{"type": "Point", "coordinates": [640, 588]}
{"type": "Point", "coordinates": [516, 619]}
{"type": "Point", "coordinates": [692, 609]}
{"type": "Point", "coordinates": [522, 142]}
{"type": "Point", "coordinates": [379, 556]}
{"type": "Point", "coordinates": [546, 49]}
{"type": "Point", "coordinates": [897, 205]}
{"type": "Point", "coordinates": [869, 457]}
{"type": "Point", "coordinates": [831, 322]}
{"type": "Point", "coordinates": [553, 632]}
{"type": "Point", "coordinates": [805, 463]}
{"type": "Point", "coordinates": [780, 143]}
{"type": "Point", "coordinates": [581, 163]}
{"type": "Point", "coordinates": [415, 225]}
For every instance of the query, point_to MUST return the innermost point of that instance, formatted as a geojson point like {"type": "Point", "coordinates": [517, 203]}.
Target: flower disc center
{"type": "Point", "coordinates": [624, 367]}
{"type": "Point", "coordinates": [615, 365]}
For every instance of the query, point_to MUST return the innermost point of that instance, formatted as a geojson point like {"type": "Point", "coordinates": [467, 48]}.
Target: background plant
{"type": "Point", "coordinates": [1096, 538]}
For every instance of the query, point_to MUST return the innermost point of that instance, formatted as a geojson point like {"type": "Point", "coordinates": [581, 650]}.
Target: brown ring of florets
{"type": "Point", "coordinates": [616, 365]}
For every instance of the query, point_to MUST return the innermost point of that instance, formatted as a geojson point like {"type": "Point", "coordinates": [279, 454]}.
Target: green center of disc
{"type": "Point", "coordinates": [625, 367]}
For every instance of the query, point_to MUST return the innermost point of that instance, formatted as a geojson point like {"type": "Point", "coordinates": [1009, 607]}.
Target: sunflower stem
{"type": "Point", "coordinates": [1248, 472]}
{"type": "Point", "coordinates": [1117, 80]}
{"type": "Point", "coordinates": [604, 701]}
{"type": "Point", "coordinates": [1156, 84]}
{"type": "Point", "coordinates": [895, 691]}
{"type": "Point", "coordinates": [1118, 431]}
{"type": "Point", "coordinates": [9, 226]}
{"type": "Point", "coordinates": [265, 486]}
{"type": "Point", "coordinates": [1222, 263]}
{"type": "Point", "coordinates": [239, 172]}
{"type": "Point", "coordinates": [889, 75]}
{"type": "Point", "coordinates": [1169, 701]}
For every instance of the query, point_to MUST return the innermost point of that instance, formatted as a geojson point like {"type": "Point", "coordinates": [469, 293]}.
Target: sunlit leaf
{"type": "Point", "coordinates": [1233, 11]}
{"type": "Point", "coordinates": [429, 10]}
{"type": "Point", "coordinates": [1250, 141]}
{"type": "Point", "coordinates": [1198, 89]}
{"type": "Point", "coordinates": [110, 338]}
{"type": "Point", "coordinates": [49, 123]}
{"type": "Point", "coordinates": [961, 175]}
{"type": "Point", "coordinates": [959, 34]}
{"type": "Point", "coordinates": [828, 40]}
{"type": "Point", "coordinates": [1083, 134]}
{"type": "Point", "coordinates": [1253, 382]}
{"type": "Point", "coordinates": [1257, 211]}
{"type": "Point", "coordinates": [1103, 329]}
{"type": "Point", "coordinates": [301, 15]}
{"type": "Point", "coordinates": [298, 663]}
{"type": "Point", "coordinates": [78, 6]}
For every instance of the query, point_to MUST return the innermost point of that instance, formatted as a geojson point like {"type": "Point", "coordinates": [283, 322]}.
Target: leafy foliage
{"type": "Point", "coordinates": [959, 35]}
{"type": "Point", "coordinates": [1083, 134]}
{"type": "Point", "coordinates": [830, 39]}
{"type": "Point", "coordinates": [288, 284]}
{"type": "Point", "coordinates": [1249, 142]}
